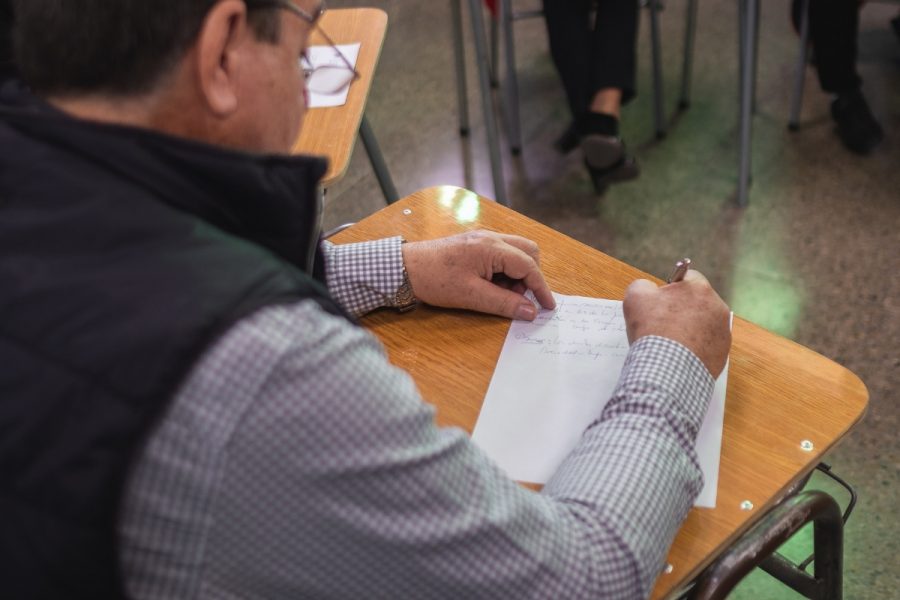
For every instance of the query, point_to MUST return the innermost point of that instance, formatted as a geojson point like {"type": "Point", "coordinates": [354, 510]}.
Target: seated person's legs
{"type": "Point", "coordinates": [833, 26]}
{"type": "Point", "coordinates": [597, 66]}
{"type": "Point", "coordinates": [6, 64]}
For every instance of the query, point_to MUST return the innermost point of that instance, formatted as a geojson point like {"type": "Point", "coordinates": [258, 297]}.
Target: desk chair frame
{"type": "Point", "coordinates": [349, 121]}
{"type": "Point", "coordinates": [376, 158]}
{"type": "Point", "coordinates": [757, 548]}
{"type": "Point", "coordinates": [779, 525]}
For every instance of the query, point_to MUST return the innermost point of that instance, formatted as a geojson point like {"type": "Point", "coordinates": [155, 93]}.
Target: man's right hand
{"type": "Point", "coordinates": [689, 312]}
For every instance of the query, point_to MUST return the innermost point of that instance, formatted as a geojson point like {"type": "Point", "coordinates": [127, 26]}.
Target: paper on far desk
{"type": "Point", "coordinates": [552, 380]}
{"type": "Point", "coordinates": [325, 56]}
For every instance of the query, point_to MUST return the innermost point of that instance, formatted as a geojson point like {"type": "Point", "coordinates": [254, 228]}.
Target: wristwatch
{"type": "Point", "coordinates": [404, 299]}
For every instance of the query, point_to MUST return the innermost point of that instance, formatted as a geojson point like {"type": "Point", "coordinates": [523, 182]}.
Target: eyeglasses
{"type": "Point", "coordinates": [322, 79]}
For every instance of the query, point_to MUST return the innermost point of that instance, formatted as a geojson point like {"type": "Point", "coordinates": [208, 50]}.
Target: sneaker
{"type": "Point", "coordinates": [856, 125]}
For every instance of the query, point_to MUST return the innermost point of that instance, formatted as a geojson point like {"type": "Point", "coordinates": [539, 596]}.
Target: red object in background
{"type": "Point", "coordinates": [492, 5]}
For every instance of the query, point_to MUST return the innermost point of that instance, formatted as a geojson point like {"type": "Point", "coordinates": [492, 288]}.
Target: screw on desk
{"type": "Point", "coordinates": [806, 446]}
{"type": "Point", "coordinates": [407, 211]}
{"type": "Point", "coordinates": [746, 505]}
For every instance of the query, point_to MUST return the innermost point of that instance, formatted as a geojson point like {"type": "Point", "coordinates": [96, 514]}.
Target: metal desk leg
{"type": "Point", "coordinates": [742, 30]}
{"type": "Point", "coordinates": [658, 115]}
{"type": "Point", "coordinates": [462, 92]}
{"type": "Point", "coordinates": [512, 82]}
{"type": "Point", "coordinates": [495, 49]}
{"type": "Point", "coordinates": [757, 548]}
{"type": "Point", "coordinates": [687, 66]}
{"type": "Point", "coordinates": [748, 9]}
{"type": "Point", "coordinates": [755, 32]}
{"type": "Point", "coordinates": [800, 73]}
{"type": "Point", "coordinates": [490, 122]}
{"type": "Point", "coordinates": [377, 160]}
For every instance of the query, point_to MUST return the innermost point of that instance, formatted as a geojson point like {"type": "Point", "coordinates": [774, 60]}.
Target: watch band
{"type": "Point", "coordinates": [404, 298]}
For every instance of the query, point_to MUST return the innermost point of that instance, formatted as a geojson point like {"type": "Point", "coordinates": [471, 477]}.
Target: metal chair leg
{"type": "Point", "coordinates": [658, 112]}
{"type": "Point", "coordinates": [755, 33]}
{"type": "Point", "coordinates": [800, 72]}
{"type": "Point", "coordinates": [377, 160]}
{"type": "Point", "coordinates": [514, 123]}
{"type": "Point", "coordinates": [495, 49]}
{"type": "Point", "coordinates": [749, 12]}
{"type": "Point", "coordinates": [486, 104]}
{"type": "Point", "coordinates": [690, 32]}
{"type": "Point", "coordinates": [742, 29]}
{"type": "Point", "coordinates": [337, 230]}
{"type": "Point", "coordinates": [459, 50]}
{"type": "Point", "coordinates": [758, 546]}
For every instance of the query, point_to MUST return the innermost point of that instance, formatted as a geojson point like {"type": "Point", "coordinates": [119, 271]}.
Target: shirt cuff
{"type": "Point", "coordinates": [664, 367]}
{"type": "Point", "coordinates": [364, 276]}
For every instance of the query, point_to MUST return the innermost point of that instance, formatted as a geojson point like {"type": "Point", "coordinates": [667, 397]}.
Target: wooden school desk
{"type": "Point", "coordinates": [786, 405]}
{"type": "Point", "coordinates": [331, 131]}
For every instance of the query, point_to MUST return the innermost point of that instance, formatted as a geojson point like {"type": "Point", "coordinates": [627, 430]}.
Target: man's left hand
{"type": "Point", "coordinates": [478, 270]}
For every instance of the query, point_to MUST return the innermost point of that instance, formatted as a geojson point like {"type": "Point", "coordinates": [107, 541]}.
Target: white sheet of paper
{"type": "Point", "coordinates": [324, 56]}
{"type": "Point", "coordinates": [552, 380]}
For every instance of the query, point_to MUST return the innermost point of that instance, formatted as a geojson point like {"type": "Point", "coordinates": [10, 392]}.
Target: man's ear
{"type": "Point", "coordinates": [218, 45]}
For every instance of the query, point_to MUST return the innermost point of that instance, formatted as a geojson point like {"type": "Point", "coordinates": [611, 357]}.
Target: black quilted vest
{"type": "Point", "coordinates": [123, 255]}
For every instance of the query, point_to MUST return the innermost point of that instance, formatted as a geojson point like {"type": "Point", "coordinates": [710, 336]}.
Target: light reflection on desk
{"type": "Point", "coordinates": [464, 204]}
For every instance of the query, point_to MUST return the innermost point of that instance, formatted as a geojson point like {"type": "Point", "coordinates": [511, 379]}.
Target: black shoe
{"type": "Point", "coordinates": [602, 151]}
{"type": "Point", "coordinates": [856, 126]}
{"type": "Point", "coordinates": [624, 170]}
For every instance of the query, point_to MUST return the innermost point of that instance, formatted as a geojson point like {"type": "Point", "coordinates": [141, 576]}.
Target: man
{"type": "Point", "coordinates": [187, 414]}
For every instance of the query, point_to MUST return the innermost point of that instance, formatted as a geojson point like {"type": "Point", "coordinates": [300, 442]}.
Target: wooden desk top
{"type": "Point", "coordinates": [332, 131]}
{"type": "Point", "coordinates": [779, 392]}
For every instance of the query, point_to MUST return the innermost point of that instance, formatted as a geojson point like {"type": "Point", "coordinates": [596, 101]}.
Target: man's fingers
{"type": "Point", "coordinates": [638, 295]}
{"type": "Point", "coordinates": [695, 276]}
{"type": "Point", "coordinates": [538, 285]}
{"type": "Point", "coordinates": [524, 244]}
{"type": "Point", "coordinates": [640, 287]}
{"type": "Point", "coordinates": [490, 298]}
{"type": "Point", "coordinates": [519, 287]}
{"type": "Point", "coordinates": [517, 264]}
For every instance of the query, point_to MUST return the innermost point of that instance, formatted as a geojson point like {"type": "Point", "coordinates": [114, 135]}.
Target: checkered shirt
{"type": "Point", "coordinates": [296, 462]}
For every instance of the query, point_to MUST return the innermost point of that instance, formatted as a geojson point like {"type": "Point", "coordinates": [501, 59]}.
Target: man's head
{"type": "Point", "coordinates": [222, 71]}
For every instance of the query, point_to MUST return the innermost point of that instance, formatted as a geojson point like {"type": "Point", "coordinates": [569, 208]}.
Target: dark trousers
{"type": "Point", "coordinates": [592, 56]}
{"type": "Point", "coordinates": [6, 22]}
{"type": "Point", "coordinates": [833, 26]}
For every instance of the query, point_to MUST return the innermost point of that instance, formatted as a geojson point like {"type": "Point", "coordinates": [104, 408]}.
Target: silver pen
{"type": "Point", "coordinates": [678, 273]}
